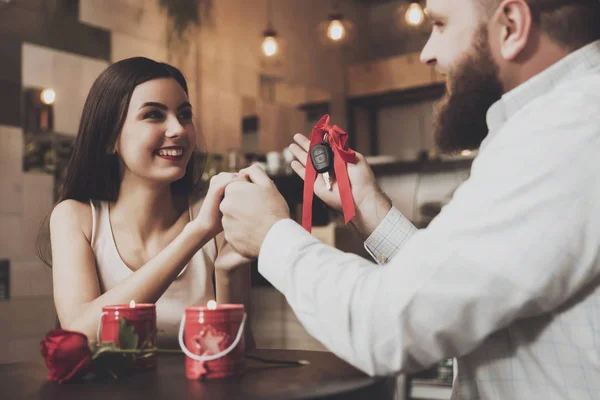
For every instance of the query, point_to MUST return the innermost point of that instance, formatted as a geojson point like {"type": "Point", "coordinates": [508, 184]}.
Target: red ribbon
{"type": "Point", "coordinates": [341, 156]}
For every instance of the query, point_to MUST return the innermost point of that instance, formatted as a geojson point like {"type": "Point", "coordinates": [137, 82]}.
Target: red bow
{"type": "Point", "coordinates": [341, 156]}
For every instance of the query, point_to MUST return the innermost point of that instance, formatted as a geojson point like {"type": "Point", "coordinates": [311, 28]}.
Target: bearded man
{"type": "Point", "coordinates": [507, 277]}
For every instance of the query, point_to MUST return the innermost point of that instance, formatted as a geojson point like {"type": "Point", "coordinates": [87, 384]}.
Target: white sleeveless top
{"type": "Point", "coordinates": [193, 285]}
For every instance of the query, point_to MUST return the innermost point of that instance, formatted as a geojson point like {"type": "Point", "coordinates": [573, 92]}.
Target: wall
{"type": "Point", "coordinates": [36, 53]}
{"type": "Point", "coordinates": [70, 75]}
{"type": "Point", "coordinates": [25, 200]}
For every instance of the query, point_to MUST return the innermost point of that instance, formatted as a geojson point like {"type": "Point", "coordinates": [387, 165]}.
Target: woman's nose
{"type": "Point", "coordinates": [174, 128]}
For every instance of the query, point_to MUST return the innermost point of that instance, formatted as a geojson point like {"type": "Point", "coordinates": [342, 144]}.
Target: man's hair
{"type": "Point", "coordinates": [570, 23]}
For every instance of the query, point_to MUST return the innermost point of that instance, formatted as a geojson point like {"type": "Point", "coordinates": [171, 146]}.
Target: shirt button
{"type": "Point", "coordinates": [383, 258]}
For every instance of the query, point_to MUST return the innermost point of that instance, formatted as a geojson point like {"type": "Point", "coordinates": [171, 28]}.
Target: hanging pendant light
{"type": "Point", "coordinates": [414, 15]}
{"type": "Point", "coordinates": [336, 30]}
{"type": "Point", "coordinates": [270, 46]}
{"type": "Point", "coordinates": [410, 17]}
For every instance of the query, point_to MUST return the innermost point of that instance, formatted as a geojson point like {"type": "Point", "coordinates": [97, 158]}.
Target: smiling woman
{"type": "Point", "coordinates": [159, 121]}
{"type": "Point", "coordinates": [132, 222]}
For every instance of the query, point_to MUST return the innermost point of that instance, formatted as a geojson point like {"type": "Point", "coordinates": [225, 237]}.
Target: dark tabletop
{"type": "Point", "coordinates": [327, 377]}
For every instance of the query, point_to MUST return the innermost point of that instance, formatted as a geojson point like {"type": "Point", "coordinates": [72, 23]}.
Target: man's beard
{"type": "Point", "coordinates": [473, 86]}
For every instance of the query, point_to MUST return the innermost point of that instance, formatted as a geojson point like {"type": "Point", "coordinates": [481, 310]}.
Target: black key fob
{"type": "Point", "coordinates": [321, 157]}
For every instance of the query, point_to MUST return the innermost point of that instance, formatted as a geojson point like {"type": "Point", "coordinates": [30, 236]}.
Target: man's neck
{"type": "Point", "coordinates": [539, 56]}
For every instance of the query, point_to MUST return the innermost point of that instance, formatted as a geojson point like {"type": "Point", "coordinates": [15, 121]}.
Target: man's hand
{"type": "Point", "coordinates": [370, 202]}
{"type": "Point", "coordinates": [250, 209]}
{"type": "Point", "coordinates": [361, 177]}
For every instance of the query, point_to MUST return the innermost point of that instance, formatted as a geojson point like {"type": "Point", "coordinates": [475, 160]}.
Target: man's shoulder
{"type": "Point", "coordinates": [571, 103]}
{"type": "Point", "coordinates": [584, 87]}
{"type": "Point", "coordinates": [561, 123]}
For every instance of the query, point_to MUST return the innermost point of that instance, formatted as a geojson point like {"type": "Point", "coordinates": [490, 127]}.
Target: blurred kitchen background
{"type": "Point", "coordinates": [259, 71]}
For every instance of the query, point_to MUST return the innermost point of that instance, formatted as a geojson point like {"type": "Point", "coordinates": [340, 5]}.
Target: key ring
{"type": "Point", "coordinates": [325, 137]}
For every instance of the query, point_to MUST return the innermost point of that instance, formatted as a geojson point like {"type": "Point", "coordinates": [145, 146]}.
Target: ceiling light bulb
{"type": "Point", "coordinates": [414, 14]}
{"type": "Point", "coordinates": [48, 96]}
{"type": "Point", "coordinates": [270, 46]}
{"type": "Point", "coordinates": [336, 30]}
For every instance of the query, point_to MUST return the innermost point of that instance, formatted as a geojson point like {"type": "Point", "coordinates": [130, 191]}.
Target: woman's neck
{"type": "Point", "coordinates": [147, 209]}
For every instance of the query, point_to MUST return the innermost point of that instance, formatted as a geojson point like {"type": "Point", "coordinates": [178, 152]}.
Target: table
{"type": "Point", "coordinates": [327, 377]}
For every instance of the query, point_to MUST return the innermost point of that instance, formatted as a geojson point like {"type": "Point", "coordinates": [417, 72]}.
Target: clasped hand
{"type": "Point", "coordinates": [251, 206]}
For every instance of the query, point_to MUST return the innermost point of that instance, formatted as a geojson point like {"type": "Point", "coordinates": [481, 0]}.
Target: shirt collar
{"type": "Point", "coordinates": [574, 64]}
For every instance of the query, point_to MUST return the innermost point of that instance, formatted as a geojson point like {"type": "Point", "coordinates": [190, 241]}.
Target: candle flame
{"type": "Point", "coordinates": [211, 305]}
{"type": "Point", "coordinates": [132, 304]}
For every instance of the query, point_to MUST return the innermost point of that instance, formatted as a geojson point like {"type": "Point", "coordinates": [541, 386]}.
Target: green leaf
{"type": "Point", "coordinates": [128, 337]}
{"type": "Point", "coordinates": [110, 363]}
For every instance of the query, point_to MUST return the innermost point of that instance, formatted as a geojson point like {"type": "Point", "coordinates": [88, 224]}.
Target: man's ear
{"type": "Point", "coordinates": [514, 22]}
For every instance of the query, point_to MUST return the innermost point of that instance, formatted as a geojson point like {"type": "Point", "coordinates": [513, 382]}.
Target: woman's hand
{"type": "Point", "coordinates": [208, 220]}
{"type": "Point", "coordinates": [233, 282]}
{"type": "Point", "coordinates": [229, 259]}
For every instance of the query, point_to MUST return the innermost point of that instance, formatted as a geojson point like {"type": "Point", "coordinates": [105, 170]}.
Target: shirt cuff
{"type": "Point", "coordinates": [387, 238]}
{"type": "Point", "coordinates": [278, 248]}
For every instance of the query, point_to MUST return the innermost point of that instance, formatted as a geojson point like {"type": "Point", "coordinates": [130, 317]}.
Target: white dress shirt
{"type": "Point", "coordinates": [506, 277]}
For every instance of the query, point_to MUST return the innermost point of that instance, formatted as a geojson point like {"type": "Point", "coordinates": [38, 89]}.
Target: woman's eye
{"type": "Point", "coordinates": [185, 115]}
{"type": "Point", "coordinates": [153, 115]}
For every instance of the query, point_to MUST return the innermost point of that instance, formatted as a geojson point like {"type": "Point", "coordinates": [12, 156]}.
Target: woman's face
{"type": "Point", "coordinates": [158, 136]}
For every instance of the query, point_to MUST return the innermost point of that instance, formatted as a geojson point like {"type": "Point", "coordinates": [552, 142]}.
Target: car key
{"type": "Point", "coordinates": [321, 157]}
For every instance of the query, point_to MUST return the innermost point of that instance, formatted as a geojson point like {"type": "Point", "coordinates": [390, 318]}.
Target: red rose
{"type": "Point", "coordinates": [66, 354]}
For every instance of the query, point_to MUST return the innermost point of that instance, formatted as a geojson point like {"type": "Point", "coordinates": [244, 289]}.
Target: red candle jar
{"type": "Point", "coordinates": [214, 340]}
{"type": "Point", "coordinates": [142, 317]}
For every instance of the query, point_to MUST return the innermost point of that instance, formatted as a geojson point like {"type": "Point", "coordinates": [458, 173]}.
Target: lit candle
{"type": "Point", "coordinates": [213, 340]}
{"type": "Point", "coordinates": [142, 317]}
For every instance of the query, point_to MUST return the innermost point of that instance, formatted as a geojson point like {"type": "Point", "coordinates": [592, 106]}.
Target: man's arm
{"type": "Point", "coordinates": [387, 239]}
{"type": "Point", "coordinates": [508, 246]}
